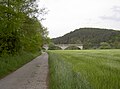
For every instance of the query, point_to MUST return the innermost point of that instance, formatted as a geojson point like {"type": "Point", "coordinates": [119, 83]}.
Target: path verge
{"type": "Point", "coordinates": [33, 75]}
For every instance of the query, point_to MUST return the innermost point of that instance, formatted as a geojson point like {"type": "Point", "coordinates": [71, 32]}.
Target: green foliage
{"type": "Point", "coordinates": [53, 47]}
{"type": "Point", "coordinates": [116, 45]}
{"type": "Point", "coordinates": [9, 27]}
{"type": "Point", "coordinates": [85, 69]}
{"type": "Point", "coordinates": [104, 45]}
{"type": "Point", "coordinates": [90, 37]}
{"type": "Point", "coordinates": [72, 48]}
{"type": "Point", "coordinates": [115, 41]}
{"type": "Point", "coordinates": [20, 29]}
{"type": "Point", "coordinates": [21, 33]}
{"type": "Point", "coordinates": [31, 35]}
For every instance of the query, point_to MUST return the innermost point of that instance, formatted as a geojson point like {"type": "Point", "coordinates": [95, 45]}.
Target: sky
{"type": "Point", "coordinates": [67, 15]}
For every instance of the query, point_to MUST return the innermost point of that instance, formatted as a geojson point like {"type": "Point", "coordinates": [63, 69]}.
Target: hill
{"type": "Point", "coordinates": [90, 37]}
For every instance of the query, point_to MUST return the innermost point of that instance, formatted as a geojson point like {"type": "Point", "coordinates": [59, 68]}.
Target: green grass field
{"type": "Point", "coordinates": [9, 63]}
{"type": "Point", "coordinates": [84, 69]}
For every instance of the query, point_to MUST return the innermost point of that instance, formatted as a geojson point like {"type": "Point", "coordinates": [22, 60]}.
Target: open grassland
{"type": "Point", "coordinates": [9, 63]}
{"type": "Point", "coordinates": [84, 69]}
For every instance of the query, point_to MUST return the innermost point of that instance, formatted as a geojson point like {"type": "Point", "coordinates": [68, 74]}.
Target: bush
{"type": "Point", "coordinates": [53, 47]}
{"type": "Point", "coordinates": [72, 48]}
{"type": "Point", "coordinates": [105, 45]}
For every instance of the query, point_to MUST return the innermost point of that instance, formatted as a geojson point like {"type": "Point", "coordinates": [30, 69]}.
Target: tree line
{"type": "Point", "coordinates": [20, 29]}
{"type": "Point", "coordinates": [91, 38]}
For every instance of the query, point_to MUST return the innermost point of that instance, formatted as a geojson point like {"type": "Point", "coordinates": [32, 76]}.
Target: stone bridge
{"type": "Point", "coordinates": [64, 46]}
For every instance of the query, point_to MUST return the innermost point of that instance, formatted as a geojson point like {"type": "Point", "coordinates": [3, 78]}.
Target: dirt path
{"type": "Point", "coordinates": [31, 76]}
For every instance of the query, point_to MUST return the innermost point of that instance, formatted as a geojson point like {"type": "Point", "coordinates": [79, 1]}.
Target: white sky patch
{"type": "Point", "coordinates": [67, 15]}
{"type": "Point", "coordinates": [113, 14]}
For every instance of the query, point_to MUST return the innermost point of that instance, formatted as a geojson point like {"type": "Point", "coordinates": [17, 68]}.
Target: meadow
{"type": "Point", "coordinates": [84, 69]}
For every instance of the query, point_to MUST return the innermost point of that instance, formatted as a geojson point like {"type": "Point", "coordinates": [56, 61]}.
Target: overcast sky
{"type": "Point", "coordinates": [67, 15]}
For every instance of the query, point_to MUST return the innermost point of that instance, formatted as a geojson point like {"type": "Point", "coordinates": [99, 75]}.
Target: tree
{"type": "Point", "coordinates": [104, 45]}
{"type": "Point", "coordinates": [53, 47]}
{"type": "Point", "coordinates": [72, 48]}
{"type": "Point", "coordinates": [20, 28]}
{"type": "Point", "coordinates": [89, 37]}
{"type": "Point", "coordinates": [11, 22]}
{"type": "Point", "coordinates": [115, 41]}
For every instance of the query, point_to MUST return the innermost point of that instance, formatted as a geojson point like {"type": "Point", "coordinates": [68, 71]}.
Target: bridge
{"type": "Point", "coordinates": [64, 46]}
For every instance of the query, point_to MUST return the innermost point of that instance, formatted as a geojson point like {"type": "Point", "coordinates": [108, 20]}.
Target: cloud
{"type": "Point", "coordinates": [111, 18]}
{"type": "Point", "coordinates": [113, 14]}
{"type": "Point", "coordinates": [116, 8]}
{"type": "Point", "coordinates": [67, 15]}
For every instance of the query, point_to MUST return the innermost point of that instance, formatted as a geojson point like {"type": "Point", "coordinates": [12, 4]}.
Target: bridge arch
{"type": "Point", "coordinates": [64, 46]}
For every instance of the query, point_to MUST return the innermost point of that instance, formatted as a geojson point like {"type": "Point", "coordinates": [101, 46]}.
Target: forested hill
{"type": "Point", "coordinates": [90, 37]}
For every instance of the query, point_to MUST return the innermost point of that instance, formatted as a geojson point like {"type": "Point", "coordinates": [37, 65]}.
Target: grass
{"type": "Point", "coordinates": [9, 63]}
{"type": "Point", "coordinates": [84, 69]}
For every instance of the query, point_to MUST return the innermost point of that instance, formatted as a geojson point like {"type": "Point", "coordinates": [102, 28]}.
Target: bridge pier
{"type": "Point", "coordinates": [81, 47]}
{"type": "Point", "coordinates": [64, 46]}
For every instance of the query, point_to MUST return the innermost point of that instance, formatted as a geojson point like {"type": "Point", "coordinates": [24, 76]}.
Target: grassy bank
{"type": "Point", "coordinates": [85, 69]}
{"type": "Point", "coordinates": [9, 63]}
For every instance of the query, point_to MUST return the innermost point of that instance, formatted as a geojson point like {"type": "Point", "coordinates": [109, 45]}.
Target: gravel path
{"type": "Point", "coordinates": [33, 75]}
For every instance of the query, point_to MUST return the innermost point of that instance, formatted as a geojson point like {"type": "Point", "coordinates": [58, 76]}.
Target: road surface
{"type": "Point", "coordinates": [33, 75]}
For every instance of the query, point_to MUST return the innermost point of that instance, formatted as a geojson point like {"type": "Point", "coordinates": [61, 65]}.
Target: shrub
{"type": "Point", "coordinates": [72, 48]}
{"type": "Point", "coordinates": [105, 45]}
{"type": "Point", "coordinates": [53, 47]}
